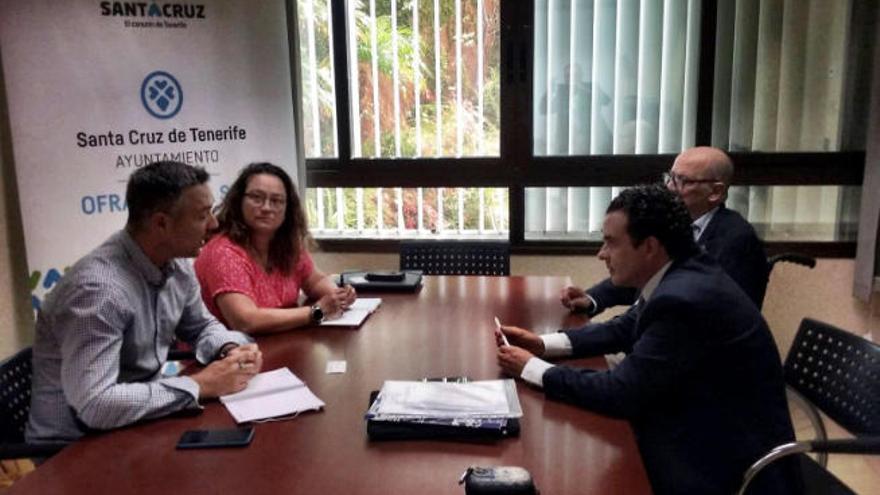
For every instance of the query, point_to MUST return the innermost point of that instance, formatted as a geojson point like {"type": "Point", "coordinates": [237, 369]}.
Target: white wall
{"type": "Point", "coordinates": [16, 316]}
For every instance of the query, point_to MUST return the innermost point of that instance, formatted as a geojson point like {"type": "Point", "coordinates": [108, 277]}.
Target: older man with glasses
{"type": "Point", "coordinates": [700, 176]}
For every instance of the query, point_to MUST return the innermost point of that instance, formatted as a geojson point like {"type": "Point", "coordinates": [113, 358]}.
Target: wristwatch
{"type": "Point", "coordinates": [317, 314]}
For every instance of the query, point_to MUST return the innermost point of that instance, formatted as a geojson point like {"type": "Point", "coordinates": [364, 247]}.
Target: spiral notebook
{"type": "Point", "coordinates": [271, 394]}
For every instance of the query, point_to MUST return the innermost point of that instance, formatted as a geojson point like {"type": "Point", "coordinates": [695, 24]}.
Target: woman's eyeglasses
{"type": "Point", "coordinates": [275, 202]}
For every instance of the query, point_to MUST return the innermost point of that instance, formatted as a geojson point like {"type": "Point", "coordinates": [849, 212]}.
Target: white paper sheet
{"type": "Point", "coordinates": [487, 398]}
{"type": "Point", "coordinates": [355, 315]}
{"type": "Point", "coordinates": [270, 394]}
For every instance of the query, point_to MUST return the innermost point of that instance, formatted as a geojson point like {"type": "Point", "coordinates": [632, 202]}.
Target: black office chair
{"type": "Point", "coordinates": [15, 403]}
{"type": "Point", "coordinates": [838, 373]}
{"type": "Point", "coordinates": [456, 257]}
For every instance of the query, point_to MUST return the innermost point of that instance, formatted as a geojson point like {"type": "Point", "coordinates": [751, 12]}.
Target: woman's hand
{"type": "Point", "coordinates": [337, 301]}
{"type": "Point", "coordinates": [349, 296]}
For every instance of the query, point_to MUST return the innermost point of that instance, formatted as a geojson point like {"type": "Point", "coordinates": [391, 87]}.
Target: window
{"type": "Point", "coordinates": [425, 84]}
{"type": "Point", "coordinates": [521, 120]}
{"type": "Point", "coordinates": [779, 86]}
{"type": "Point", "coordinates": [318, 90]}
{"type": "Point", "coordinates": [408, 212]}
{"type": "Point", "coordinates": [610, 78]}
{"type": "Point", "coordinates": [426, 78]}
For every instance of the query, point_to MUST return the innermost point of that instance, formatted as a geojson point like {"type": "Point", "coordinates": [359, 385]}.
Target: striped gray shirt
{"type": "Point", "coordinates": [103, 335]}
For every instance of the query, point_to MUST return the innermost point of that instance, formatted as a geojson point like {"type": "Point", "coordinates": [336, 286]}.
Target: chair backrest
{"type": "Point", "coordinates": [15, 396]}
{"type": "Point", "coordinates": [456, 257]}
{"type": "Point", "coordinates": [838, 372]}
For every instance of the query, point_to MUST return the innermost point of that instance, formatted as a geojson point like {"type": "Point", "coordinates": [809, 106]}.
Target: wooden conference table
{"type": "Point", "coordinates": [444, 330]}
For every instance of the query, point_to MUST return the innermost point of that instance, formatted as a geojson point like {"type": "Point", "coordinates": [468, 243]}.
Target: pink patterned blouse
{"type": "Point", "coordinates": [224, 266]}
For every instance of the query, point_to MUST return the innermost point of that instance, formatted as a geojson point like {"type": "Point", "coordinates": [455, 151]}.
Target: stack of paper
{"type": "Point", "coordinates": [355, 314]}
{"type": "Point", "coordinates": [269, 395]}
{"type": "Point", "coordinates": [478, 404]}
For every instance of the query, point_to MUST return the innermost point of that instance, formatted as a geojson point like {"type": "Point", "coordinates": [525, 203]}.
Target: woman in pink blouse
{"type": "Point", "coordinates": [253, 268]}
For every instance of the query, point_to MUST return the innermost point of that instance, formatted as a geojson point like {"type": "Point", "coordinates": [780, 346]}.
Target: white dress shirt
{"type": "Point", "coordinates": [559, 345]}
{"type": "Point", "coordinates": [701, 223]}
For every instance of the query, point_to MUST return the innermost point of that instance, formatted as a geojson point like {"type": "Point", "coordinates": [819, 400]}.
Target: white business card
{"type": "Point", "coordinates": [336, 367]}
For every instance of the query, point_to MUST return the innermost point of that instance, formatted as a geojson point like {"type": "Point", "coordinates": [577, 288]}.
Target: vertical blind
{"type": "Point", "coordinates": [780, 70]}
{"type": "Point", "coordinates": [610, 77]}
{"type": "Point", "coordinates": [619, 77]}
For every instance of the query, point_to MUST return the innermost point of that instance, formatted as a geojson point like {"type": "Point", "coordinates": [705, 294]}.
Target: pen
{"type": "Point", "coordinates": [503, 337]}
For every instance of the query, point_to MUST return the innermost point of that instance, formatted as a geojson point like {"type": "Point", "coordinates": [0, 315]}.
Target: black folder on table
{"type": "Point", "coordinates": [379, 281]}
{"type": "Point", "coordinates": [490, 429]}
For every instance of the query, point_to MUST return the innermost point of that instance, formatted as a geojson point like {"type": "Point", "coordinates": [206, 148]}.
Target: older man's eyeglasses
{"type": "Point", "coordinates": [276, 203]}
{"type": "Point", "coordinates": [680, 181]}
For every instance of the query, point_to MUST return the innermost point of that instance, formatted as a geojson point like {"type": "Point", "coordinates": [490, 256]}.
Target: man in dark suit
{"type": "Point", "coordinates": [702, 383]}
{"type": "Point", "coordinates": [701, 177]}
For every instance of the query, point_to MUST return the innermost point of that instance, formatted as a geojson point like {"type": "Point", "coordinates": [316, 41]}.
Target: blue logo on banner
{"type": "Point", "coordinates": [161, 95]}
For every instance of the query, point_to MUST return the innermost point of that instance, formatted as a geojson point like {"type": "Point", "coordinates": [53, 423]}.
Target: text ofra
{"type": "Point", "coordinates": [231, 133]}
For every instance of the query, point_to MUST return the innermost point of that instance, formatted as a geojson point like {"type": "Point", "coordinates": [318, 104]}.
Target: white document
{"type": "Point", "coordinates": [271, 394]}
{"type": "Point", "coordinates": [355, 315]}
{"type": "Point", "coordinates": [479, 399]}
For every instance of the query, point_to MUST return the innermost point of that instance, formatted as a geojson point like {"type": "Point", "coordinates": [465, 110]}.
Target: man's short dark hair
{"type": "Point", "coordinates": [654, 211]}
{"type": "Point", "coordinates": [157, 187]}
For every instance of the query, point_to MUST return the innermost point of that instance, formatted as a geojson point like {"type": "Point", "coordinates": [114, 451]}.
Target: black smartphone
{"type": "Point", "coordinates": [209, 439]}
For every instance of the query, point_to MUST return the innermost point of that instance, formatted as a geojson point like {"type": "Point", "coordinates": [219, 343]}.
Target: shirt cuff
{"type": "Point", "coordinates": [556, 345]}
{"type": "Point", "coordinates": [207, 349]}
{"type": "Point", "coordinates": [533, 371]}
{"type": "Point", "coordinates": [186, 385]}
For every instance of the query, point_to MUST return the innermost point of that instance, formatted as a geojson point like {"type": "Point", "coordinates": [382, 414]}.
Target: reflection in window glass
{"type": "Point", "coordinates": [615, 77]}
{"type": "Point", "coordinates": [611, 77]}
{"type": "Point", "coordinates": [426, 77]}
{"type": "Point", "coordinates": [408, 212]}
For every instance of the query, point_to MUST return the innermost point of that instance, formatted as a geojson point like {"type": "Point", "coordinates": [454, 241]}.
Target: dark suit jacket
{"type": "Point", "coordinates": [702, 384]}
{"type": "Point", "coordinates": [731, 240]}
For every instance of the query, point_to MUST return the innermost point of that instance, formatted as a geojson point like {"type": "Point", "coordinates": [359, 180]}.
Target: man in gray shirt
{"type": "Point", "coordinates": [104, 332]}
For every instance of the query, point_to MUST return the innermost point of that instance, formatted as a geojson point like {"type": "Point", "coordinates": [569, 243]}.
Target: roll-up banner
{"type": "Point", "coordinates": [97, 89]}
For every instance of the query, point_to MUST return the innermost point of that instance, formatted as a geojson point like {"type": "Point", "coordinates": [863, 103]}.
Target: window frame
{"type": "Point", "coordinates": [517, 167]}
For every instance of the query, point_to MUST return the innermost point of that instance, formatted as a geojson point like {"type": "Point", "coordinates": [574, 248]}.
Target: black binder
{"type": "Point", "coordinates": [363, 281]}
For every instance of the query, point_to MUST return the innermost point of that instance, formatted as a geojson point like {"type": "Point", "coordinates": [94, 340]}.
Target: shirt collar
{"type": "Point", "coordinates": [654, 281]}
{"type": "Point", "coordinates": [701, 223]}
{"type": "Point", "coordinates": [153, 274]}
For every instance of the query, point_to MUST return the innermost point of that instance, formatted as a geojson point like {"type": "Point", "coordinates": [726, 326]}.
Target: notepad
{"type": "Point", "coordinates": [269, 395]}
{"type": "Point", "coordinates": [355, 315]}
